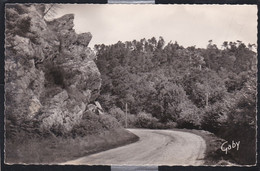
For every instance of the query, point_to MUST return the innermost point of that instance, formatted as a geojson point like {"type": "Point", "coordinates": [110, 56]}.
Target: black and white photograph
{"type": "Point", "coordinates": [134, 86]}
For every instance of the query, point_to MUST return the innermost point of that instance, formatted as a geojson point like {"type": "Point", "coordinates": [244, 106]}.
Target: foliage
{"type": "Point", "coordinates": [118, 114]}
{"type": "Point", "coordinates": [241, 122]}
{"type": "Point", "coordinates": [146, 120]}
{"type": "Point", "coordinates": [212, 89]}
{"type": "Point", "coordinates": [190, 115]}
{"type": "Point", "coordinates": [92, 123]}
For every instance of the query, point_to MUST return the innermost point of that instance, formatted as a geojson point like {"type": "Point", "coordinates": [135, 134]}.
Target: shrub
{"type": "Point", "coordinates": [88, 125]}
{"type": "Point", "coordinates": [146, 120]}
{"type": "Point", "coordinates": [131, 121]}
{"type": "Point", "coordinates": [167, 125]}
{"type": "Point", "coordinates": [108, 122]}
{"type": "Point", "coordinates": [118, 114]}
{"type": "Point", "coordinates": [214, 117]}
{"type": "Point", "coordinates": [241, 126]}
{"type": "Point", "coordinates": [170, 125]}
{"type": "Point", "coordinates": [190, 115]}
{"type": "Point", "coordinates": [92, 123]}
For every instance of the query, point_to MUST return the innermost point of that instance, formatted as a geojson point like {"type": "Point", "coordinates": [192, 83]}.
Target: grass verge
{"type": "Point", "coordinates": [58, 149]}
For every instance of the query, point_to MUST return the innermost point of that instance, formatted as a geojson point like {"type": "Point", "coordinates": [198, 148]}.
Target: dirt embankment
{"type": "Point", "coordinates": [57, 150]}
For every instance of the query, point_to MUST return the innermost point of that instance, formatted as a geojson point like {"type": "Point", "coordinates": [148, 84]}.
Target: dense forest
{"type": "Point", "coordinates": [166, 85]}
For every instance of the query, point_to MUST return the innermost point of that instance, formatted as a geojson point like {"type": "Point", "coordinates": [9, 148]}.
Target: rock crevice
{"type": "Point", "coordinates": [51, 76]}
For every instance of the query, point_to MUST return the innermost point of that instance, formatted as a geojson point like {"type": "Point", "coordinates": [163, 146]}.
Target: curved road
{"type": "Point", "coordinates": [155, 147]}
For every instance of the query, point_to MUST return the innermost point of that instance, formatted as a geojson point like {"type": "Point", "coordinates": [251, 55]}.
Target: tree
{"type": "Point", "coordinates": [191, 86]}
{"type": "Point", "coordinates": [204, 87]}
{"type": "Point", "coordinates": [225, 45]}
{"type": "Point", "coordinates": [190, 116]}
{"type": "Point", "coordinates": [49, 10]}
{"type": "Point", "coordinates": [160, 43]}
{"type": "Point", "coordinates": [170, 96]}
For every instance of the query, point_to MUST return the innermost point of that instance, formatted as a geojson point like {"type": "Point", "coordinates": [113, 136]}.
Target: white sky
{"type": "Point", "coordinates": [187, 24]}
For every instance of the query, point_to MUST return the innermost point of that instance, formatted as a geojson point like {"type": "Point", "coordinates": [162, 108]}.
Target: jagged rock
{"type": "Point", "coordinates": [22, 45]}
{"type": "Point", "coordinates": [95, 108]}
{"type": "Point", "coordinates": [34, 107]}
{"type": "Point", "coordinates": [92, 108]}
{"type": "Point", "coordinates": [62, 25]}
{"type": "Point", "coordinates": [24, 85]}
{"type": "Point", "coordinates": [84, 38]}
{"type": "Point", "coordinates": [51, 75]}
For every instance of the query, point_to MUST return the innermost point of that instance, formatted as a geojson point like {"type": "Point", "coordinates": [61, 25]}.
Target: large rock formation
{"type": "Point", "coordinates": [51, 76]}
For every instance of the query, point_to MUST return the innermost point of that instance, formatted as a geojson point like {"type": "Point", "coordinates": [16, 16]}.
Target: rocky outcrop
{"type": "Point", "coordinates": [51, 76]}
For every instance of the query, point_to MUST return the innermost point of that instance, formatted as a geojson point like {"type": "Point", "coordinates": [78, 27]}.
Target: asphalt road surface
{"type": "Point", "coordinates": [155, 147]}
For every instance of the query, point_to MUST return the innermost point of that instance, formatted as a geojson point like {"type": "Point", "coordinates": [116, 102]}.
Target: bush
{"type": "Point", "coordinates": [118, 114]}
{"type": "Point", "coordinates": [214, 117]}
{"type": "Point", "coordinates": [190, 115]}
{"type": "Point", "coordinates": [131, 121]}
{"type": "Point", "coordinates": [246, 155]}
{"type": "Point", "coordinates": [241, 126]}
{"type": "Point", "coordinates": [146, 120]}
{"type": "Point", "coordinates": [170, 125]}
{"type": "Point", "coordinates": [167, 125]}
{"type": "Point", "coordinates": [108, 122]}
{"type": "Point", "coordinates": [92, 123]}
{"type": "Point", "coordinates": [120, 117]}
